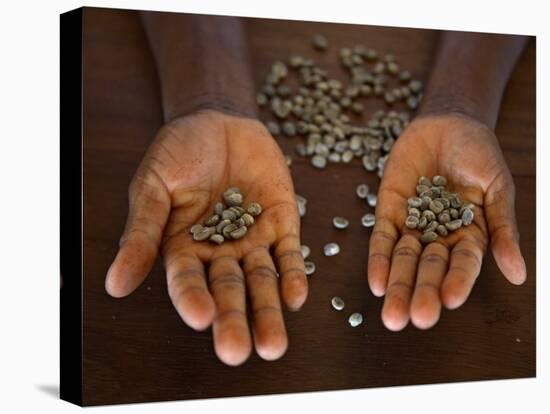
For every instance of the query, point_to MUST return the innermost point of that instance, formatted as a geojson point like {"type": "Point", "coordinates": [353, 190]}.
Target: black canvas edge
{"type": "Point", "coordinates": [71, 194]}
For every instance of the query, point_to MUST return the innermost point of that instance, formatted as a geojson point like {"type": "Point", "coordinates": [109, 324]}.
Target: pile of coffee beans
{"type": "Point", "coordinates": [320, 108]}
{"type": "Point", "coordinates": [230, 220]}
{"type": "Point", "coordinates": [436, 211]}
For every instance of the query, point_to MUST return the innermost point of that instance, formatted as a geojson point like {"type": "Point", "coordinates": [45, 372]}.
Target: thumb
{"type": "Point", "coordinates": [503, 231]}
{"type": "Point", "coordinates": [139, 244]}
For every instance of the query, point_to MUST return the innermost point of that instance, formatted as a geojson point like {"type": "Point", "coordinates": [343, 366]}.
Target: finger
{"type": "Point", "coordinates": [148, 213]}
{"type": "Point", "coordinates": [231, 335]}
{"type": "Point", "coordinates": [263, 289]}
{"type": "Point", "coordinates": [501, 220]}
{"type": "Point", "coordinates": [464, 268]}
{"type": "Point", "coordinates": [395, 312]}
{"type": "Point", "coordinates": [382, 241]}
{"type": "Point", "coordinates": [188, 290]}
{"type": "Point", "coordinates": [292, 271]}
{"type": "Point", "coordinates": [426, 302]}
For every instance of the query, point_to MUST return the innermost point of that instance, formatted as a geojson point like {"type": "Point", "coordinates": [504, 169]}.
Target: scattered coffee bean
{"type": "Point", "coordinates": [467, 216]}
{"type": "Point", "coordinates": [305, 251]}
{"type": "Point", "coordinates": [319, 42]}
{"type": "Point", "coordinates": [337, 303]}
{"type": "Point", "coordinates": [340, 222]}
{"type": "Point", "coordinates": [254, 209]}
{"type": "Point", "coordinates": [355, 319]}
{"type": "Point", "coordinates": [309, 267]}
{"type": "Point", "coordinates": [301, 202]}
{"type": "Point", "coordinates": [319, 161]}
{"type": "Point", "coordinates": [368, 220]}
{"type": "Point", "coordinates": [362, 191]}
{"type": "Point", "coordinates": [372, 199]}
{"type": "Point", "coordinates": [331, 249]}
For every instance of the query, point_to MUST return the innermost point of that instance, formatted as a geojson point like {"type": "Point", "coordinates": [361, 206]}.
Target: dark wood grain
{"type": "Point", "coordinates": [137, 349]}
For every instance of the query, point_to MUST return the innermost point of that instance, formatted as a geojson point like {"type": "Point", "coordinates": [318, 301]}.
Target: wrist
{"type": "Point", "coordinates": [209, 102]}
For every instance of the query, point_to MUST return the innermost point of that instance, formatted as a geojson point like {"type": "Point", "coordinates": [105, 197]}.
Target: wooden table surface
{"type": "Point", "coordinates": [137, 349]}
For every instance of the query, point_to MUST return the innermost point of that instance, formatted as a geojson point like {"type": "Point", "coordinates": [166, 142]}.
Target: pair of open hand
{"type": "Point", "coordinates": [195, 158]}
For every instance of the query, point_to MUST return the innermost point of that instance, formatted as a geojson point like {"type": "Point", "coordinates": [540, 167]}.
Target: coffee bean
{"type": "Point", "coordinates": [411, 222]}
{"type": "Point", "coordinates": [467, 216]}
{"type": "Point", "coordinates": [309, 267]}
{"type": "Point", "coordinates": [219, 208]}
{"type": "Point", "coordinates": [415, 202]}
{"type": "Point", "coordinates": [247, 219]}
{"type": "Point", "coordinates": [453, 212]}
{"type": "Point", "coordinates": [239, 232]}
{"type": "Point", "coordinates": [436, 206]}
{"type": "Point", "coordinates": [331, 249]}
{"type": "Point", "coordinates": [337, 303]}
{"type": "Point", "coordinates": [319, 42]}
{"type": "Point", "coordinates": [432, 226]}
{"type": "Point", "coordinates": [340, 222]}
{"type": "Point", "coordinates": [439, 180]}
{"type": "Point", "coordinates": [301, 203]}
{"type": "Point", "coordinates": [442, 230]}
{"type": "Point", "coordinates": [254, 209]}
{"type": "Point", "coordinates": [362, 191]}
{"type": "Point", "coordinates": [454, 224]}
{"type": "Point", "coordinates": [319, 161]}
{"type": "Point", "coordinates": [204, 233]}
{"type": "Point", "coordinates": [227, 230]}
{"type": "Point", "coordinates": [232, 199]}
{"type": "Point", "coordinates": [229, 215]}
{"type": "Point", "coordinates": [355, 319]}
{"type": "Point", "coordinates": [426, 200]}
{"type": "Point", "coordinates": [212, 220]}
{"type": "Point", "coordinates": [429, 214]}
{"type": "Point", "coordinates": [195, 228]}
{"type": "Point", "coordinates": [217, 238]}
{"type": "Point", "coordinates": [444, 217]}
{"type": "Point", "coordinates": [422, 223]}
{"type": "Point", "coordinates": [372, 199]}
{"type": "Point", "coordinates": [368, 220]}
{"type": "Point", "coordinates": [428, 237]}
{"type": "Point", "coordinates": [222, 224]}
{"type": "Point", "coordinates": [414, 212]}
{"type": "Point", "coordinates": [305, 251]}
{"type": "Point", "coordinates": [273, 128]}
{"type": "Point", "coordinates": [289, 129]}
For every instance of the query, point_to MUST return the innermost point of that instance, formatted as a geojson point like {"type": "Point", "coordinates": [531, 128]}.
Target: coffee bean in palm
{"type": "Point", "coordinates": [454, 224]}
{"type": "Point", "coordinates": [436, 206]}
{"type": "Point", "coordinates": [222, 224]}
{"type": "Point", "coordinates": [442, 230]}
{"type": "Point", "coordinates": [217, 238]}
{"type": "Point", "coordinates": [439, 181]}
{"type": "Point", "coordinates": [229, 215]}
{"type": "Point", "coordinates": [467, 216]}
{"type": "Point", "coordinates": [426, 200]}
{"type": "Point", "coordinates": [429, 215]}
{"type": "Point", "coordinates": [414, 212]}
{"type": "Point", "coordinates": [411, 222]}
{"type": "Point", "coordinates": [238, 233]}
{"type": "Point", "coordinates": [432, 226]}
{"type": "Point", "coordinates": [212, 220]}
{"type": "Point", "coordinates": [422, 223]}
{"type": "Point", "coordinates": [247, 219]}
{"type": "Point", "coordinates": [204, 233]}
{"type": "Point", "coordinates": [219, 208]}
{"type": "Point", "coordinates": [444, 217]}
{"type": "Point", "coordinates": [428, 237]}
{"type": "Point", "coordinates": [254, 209]}
{"type": "Point", "coordinates": [227, 230]}
{"type": "Point", "coordinates": [195, 228]}
{"type": "Point", "coordinates": [233, 198]}
{"type": "Point", "coordinates": [415, 202]}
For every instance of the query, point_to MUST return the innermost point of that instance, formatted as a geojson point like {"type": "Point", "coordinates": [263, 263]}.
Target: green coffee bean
{"type": "Point", "coordinates": [432, 226]}
{"type": "Point", "coordinates": [233, 199]}
{"type": "Point", "coordinates": [248, 220]}
{"type": "Point", "coordinates": [444, 217]}
{"type": "Point", "coordinates": [429, 215]}
{"type": "Point", "coordinates": [227, 230]}
{"type": "Point", "coordinates": [229, 215]}
{"type": "Point", "coordinates": [428, 237]}
{"type": "Point", "coordinates": [204, 233]}
{"type": "Point", "coordinates": [222, 224]}
{"type": "Point", "coordinates": [439, 181]}
{"type": "Point", "coordinates": [442, 230]}
{"type": "Point", "coordinates": [319, 42]}
{"type": "Point", "coordinates": [422, 223]}
{"type": "Point", "coordinates": [454, 224]}
{"type": "Point", "coordinates": [212, 220]}
{"type": "Point", "coordinates": [467, 216]}
{"type": "Point", "coordinates": [219, 208]}
{"type": "Point", "coordinates": [411, 222]}
{"type": "Point", "coordinates": [195, 228]}
{"type": "Point", "coordinates": [254, 209]}
{"type": "Point", "coordinates": [436, 206]}
{"type": "Point", "coordinates": [238, 233]}
{"type": "Point", "coordinates": [217, 238]}
{"type": "Point", "coordinates": [414, 212]}
{"type": "Point", "coordinates": [415, 202]}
